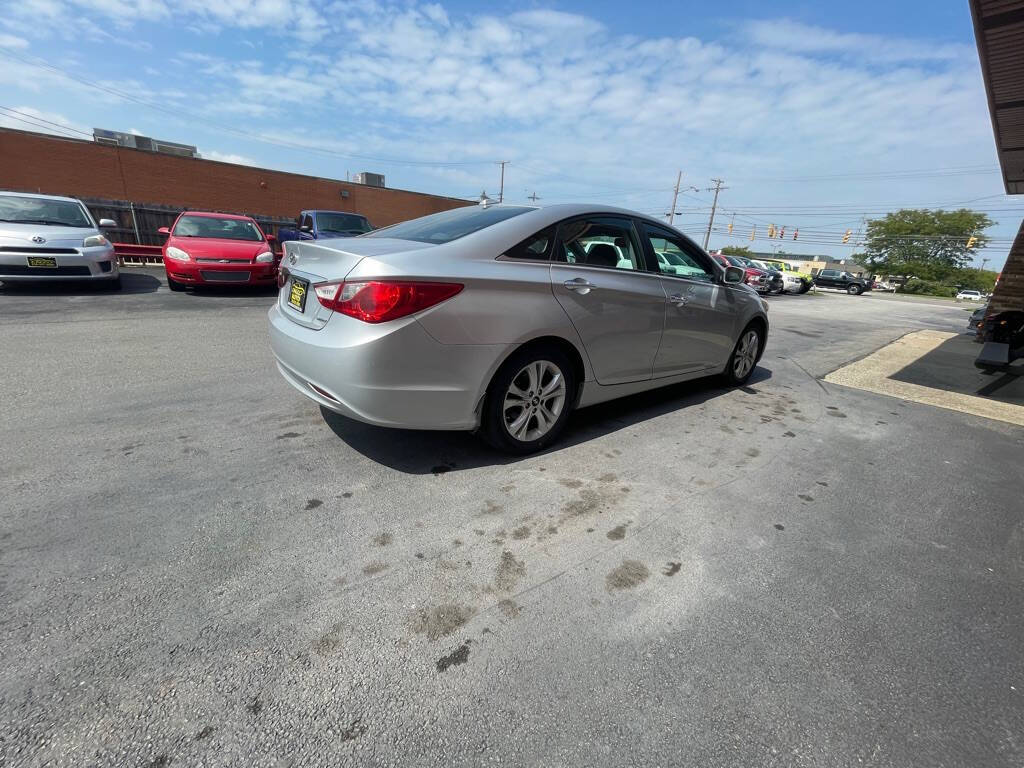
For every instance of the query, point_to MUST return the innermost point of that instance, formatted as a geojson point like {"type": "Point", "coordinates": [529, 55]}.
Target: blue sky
{"type": "Point", "coordinates": [815, 114]}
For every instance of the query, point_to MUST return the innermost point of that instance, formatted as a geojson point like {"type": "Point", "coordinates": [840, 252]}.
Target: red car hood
{"type": "Point", "coordinates": [212, 248]}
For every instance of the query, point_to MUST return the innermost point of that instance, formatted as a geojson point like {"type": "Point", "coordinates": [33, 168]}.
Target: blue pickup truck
{"type": "Point", "coordinates": [320, 225]}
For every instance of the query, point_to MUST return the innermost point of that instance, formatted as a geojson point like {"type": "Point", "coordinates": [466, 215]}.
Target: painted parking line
{"type": "Point", "coordinates": [875, 373]}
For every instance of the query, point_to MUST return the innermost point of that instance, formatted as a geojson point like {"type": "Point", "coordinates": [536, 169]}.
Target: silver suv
{"type": "Point", "coordinates": [43, 237]}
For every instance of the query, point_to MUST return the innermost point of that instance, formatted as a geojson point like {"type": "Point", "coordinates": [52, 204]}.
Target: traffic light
{"type": "Point", "coordinates": [730, 227]}
{"type": "Point", "coordinates": [971, 242]}
{"type": "Point", "coordinates": [796, 234]}
{"type": "Point", "coordinates": [753, 232]}
{"type": "Point", "coordinates": [782, 233]}
{"type": "Point", "coordinates": [771, 231]}
{"type": "Point", "coordinates": [846, 237]}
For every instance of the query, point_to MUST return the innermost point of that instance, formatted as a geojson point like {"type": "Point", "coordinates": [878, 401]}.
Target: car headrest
{"type": "Point", "coordinates": [603, 255]}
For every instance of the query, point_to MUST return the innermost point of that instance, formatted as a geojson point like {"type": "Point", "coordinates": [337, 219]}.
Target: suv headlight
{"type": "Point", "coordinates": [95, 240]}
{"type": "Point", "coordinates": [265, 258]}
{"type": "Point", "coordinates": [177, 254]}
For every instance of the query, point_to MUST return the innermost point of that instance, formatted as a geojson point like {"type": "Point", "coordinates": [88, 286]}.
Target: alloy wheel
{"type": "Point", "coordinates": [534, 400]}
{"type": "Point", "coordinates": [746, 355]}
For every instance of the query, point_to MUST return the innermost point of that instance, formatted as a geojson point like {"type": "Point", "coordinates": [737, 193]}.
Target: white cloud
{"type": "Point", "coordinates": [787, 35]}
{"type": "Point", "coordinates": [228, 157]}
{"type": "Point", "coordinates": [12, 42]}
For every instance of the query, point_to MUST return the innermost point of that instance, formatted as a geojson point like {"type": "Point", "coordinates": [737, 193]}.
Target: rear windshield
{"type": "Point", "coordinates": [42, 210]}
{"type": "Point", "coordinates": [450, 225]}
{"type": "Point", "coordinates": [221, 229]}
{"type": "Point", "coordinates": [346, 223]}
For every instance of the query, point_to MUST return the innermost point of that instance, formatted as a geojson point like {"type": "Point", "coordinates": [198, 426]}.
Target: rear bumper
{"type": "Point", "coordinates": [236, 273]}
{"type": "Point", "coordinates": [389, 375]}
{"type": "Point", "coordinates": [84, 264]}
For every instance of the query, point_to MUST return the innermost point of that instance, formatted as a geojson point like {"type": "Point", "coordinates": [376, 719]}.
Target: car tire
{"type": "Point", "coordinates": [804, 288]}
{"type": "Point", "coordinates": [854, 290]}
{"type": "Point", "coordinates": [174, 285]}
{"type": "Point", "coordinates": [524, 378]}
{"type": "Point", "coordinates": [743, 359]}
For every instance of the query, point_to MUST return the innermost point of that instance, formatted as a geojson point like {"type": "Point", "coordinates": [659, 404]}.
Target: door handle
{"type": "Point", "coordinates": [678, 299]}
{"type": "Point", "coordinates": [579, 284]}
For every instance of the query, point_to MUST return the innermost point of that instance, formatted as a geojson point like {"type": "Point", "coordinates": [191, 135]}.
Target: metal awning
{"type": "Point", "coordinates": [999, 30]}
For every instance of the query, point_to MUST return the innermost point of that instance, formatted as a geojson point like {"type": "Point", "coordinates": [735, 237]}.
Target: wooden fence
{"type": "Point", "coordinates": [137, 223]}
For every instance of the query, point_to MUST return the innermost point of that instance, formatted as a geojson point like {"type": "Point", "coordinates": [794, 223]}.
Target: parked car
{"type": "Point", "coordinates": [844, 281]}
{"type": "Point", "coordinates": [976, 323]}
{"type": "Point", "coordinates": [754, 277]}
{"type": "Point", "coordinates": [503, 319]}
{"type": "Point", "coordinates": [217, 248]}
{"type": "Point", "coordinates": [319, 225]}
{"type": "Point", "coordinates": [970, 296]}
{"type": "Point", "coordinates": [776, 282]}
{"type": "Point", "coordinates": [794, 278]}
{"type": "Point", "coordinates": [43, 237]}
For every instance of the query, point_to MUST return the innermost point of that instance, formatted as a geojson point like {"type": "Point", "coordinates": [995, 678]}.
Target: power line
{"type": "Point", "coordinates": [967, 170]}
{"type": "Point", "coordinates": [38, 120]}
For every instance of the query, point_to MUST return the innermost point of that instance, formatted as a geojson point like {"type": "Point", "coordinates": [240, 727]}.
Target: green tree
{"type": "Point", "coordinates": [738, 250]}
{"type": "Point", "coordinates": [925, 240]}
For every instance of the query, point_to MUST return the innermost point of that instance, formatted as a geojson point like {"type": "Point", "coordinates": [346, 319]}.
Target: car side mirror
{"type": "Point", "coordinates": [271, 238]}
{"type": "Point", "coordinates": [164, 231]}
{"type": "Point", "coordinates": [734, 275]}
{"type": "Point", "coordinates": [107, 224]}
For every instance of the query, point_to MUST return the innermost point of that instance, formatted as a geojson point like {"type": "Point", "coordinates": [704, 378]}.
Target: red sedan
{"type": "Point", "coordinates": [217, 248]}
{"type": "Point", "coordinates": [755, 278]}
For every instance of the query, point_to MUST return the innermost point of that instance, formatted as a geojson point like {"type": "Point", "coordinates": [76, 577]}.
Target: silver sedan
{"type": "Point", "coordinates": [504, 318]}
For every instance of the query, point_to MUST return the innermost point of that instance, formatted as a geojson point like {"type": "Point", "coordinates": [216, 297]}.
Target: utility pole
{"type": "Point", "coordinates": [983, 263]}
{"type": "Point", "coordinates": [714, 204]}
{"type": "Point", "coordinates": [675, 195]}
{"type": "Point", "coordinates": [501, 190]}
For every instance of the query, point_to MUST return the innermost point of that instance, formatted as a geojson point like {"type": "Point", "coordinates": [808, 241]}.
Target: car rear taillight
{"type": "Point", "coordinates": [377, 301]}
{"type": "Point", "coordinates": [282, 277]}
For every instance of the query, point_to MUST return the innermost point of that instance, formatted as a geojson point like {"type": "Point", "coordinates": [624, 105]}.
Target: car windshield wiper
{"type": "Point", "coordinates": [42, 221]}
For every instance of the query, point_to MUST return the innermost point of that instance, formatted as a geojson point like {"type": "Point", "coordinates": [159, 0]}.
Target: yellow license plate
{"type": "Point", "coordinates": [297, 294]}
{"type": "Point", "coordinates": [44, 262]}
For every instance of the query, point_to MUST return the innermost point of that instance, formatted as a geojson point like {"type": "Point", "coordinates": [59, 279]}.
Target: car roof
{"type": "Point", "coordinates": [211, 215]}
{"type": "Point", "coordinates": [45, 197]}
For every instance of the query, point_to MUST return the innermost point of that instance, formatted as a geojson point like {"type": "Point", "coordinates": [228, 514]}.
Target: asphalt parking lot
{"type": "Point", "coordinates": [198, 568]}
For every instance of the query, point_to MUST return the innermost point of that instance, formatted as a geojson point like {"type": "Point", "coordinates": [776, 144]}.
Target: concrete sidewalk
{"type": "Point", "coordinates": [936, 368]}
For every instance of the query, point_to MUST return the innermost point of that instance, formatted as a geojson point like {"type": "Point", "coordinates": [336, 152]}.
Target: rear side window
{"type": "Point", "coordinates": [599, 241]}
{"type": "Point", "coordinates": [450, 225]}
{"type": "Point", "coordinates": [536, 247]}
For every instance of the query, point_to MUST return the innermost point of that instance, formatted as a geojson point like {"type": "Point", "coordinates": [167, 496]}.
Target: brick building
{"type": "Point", "coordinates": [33, 162]}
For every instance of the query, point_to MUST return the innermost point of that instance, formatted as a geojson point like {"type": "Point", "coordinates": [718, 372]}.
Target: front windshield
{"type": "Point", "coordinates": [449, 225]}
{"type": "Point", "coordinates": [41, 210]}
{"type": "Point", "coordinates": [342, 222]}
{"type": "Point", "coordinates": [217, 228]}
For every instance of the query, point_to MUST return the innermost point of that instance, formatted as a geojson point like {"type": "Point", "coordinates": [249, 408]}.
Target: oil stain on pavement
{"type": "Point", "coordinates": [630, 574]}
{"type": "Point", "coordinates": [459, 656]}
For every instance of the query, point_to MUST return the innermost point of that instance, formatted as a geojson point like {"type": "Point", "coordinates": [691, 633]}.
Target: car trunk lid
{"type": "Point", "coordinates": [307, 263]}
